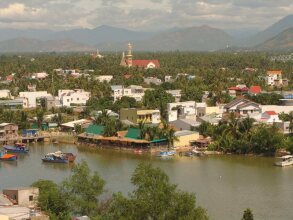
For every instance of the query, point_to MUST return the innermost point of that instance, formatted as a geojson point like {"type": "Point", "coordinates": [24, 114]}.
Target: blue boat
{"type": "Point", "coordinates": [52, 158]}
{"type": "Point", "coordinates": [17, 148]}
{"type": "Point", "coordinates": [7, 157]}
{"type": "Point", "coordinates": [166, 153]}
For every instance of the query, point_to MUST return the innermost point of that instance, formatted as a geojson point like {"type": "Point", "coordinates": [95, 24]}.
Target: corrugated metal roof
{"type": "Point", "coordinates": [133, 133]}
{"type": "Point", "coordinates": [95, 129]}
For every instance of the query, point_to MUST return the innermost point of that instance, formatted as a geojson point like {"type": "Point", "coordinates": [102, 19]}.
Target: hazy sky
{"type": "Point", "coordinates": [142, 14]}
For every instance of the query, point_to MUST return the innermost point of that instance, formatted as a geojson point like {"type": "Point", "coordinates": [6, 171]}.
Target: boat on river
{"type": "Point", "coordinates": [283, 161]}
{"type": "Point", "coordinates": [4, 156]}
{"type": "Point", "coordinates": [59, 157]}
{"type": "Point", "coordinates": [16, 148]}
{"type": "Point", "coordinates": [166, 153]}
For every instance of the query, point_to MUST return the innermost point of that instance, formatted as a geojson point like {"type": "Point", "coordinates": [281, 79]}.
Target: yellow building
{"type": "Point", "coordinates": [201, 111]}
{"type": "Point", "coordinates": [140, 115]}
{"type": "Point", "coordinates": [185, 138]}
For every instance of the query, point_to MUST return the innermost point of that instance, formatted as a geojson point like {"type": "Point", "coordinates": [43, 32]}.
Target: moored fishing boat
{"type": "Point", "coordinates": [166, 153]}
{"type": "Point", "coordinates": [70, 156]}
{"type": "Point", "coordinates": [52, 158]}
{"type": "Point", "coordinates": [285, 161]}
{"type": "Point", "coordinates": [7, 157]}
{"type": "Point", "coordinates": [16, 148]}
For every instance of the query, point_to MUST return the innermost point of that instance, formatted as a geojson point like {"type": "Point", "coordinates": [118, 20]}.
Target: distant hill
{"type": "Point", "coordinates": [273, 30]}
{"type": "Point", "coordinates": [283, 41]}
{"type": "Point", "coordinates": [202, 38]}
{"type": "Point", "coordinates": [34, 45]}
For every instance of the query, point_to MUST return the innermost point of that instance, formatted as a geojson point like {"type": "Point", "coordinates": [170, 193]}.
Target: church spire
{"type": "Point", "coordinates": [129, 55]}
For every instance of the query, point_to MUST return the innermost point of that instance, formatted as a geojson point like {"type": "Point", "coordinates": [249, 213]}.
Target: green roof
{"type": "Point", "coordinates": [158, 140]}
{"type": "Point", "coordinates": [133, 133]}
{"type": "Point", "coordinates": [95, 129]}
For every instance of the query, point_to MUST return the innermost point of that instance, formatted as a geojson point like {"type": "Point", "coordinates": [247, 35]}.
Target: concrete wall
{"type": "Point", "coordinates": [24, 196]}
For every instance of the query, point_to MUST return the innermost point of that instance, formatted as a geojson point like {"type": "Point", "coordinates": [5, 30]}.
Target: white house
{"type": "Point", "coordinates": [30, 98]}
{"type": "Point", "coordinates": [274, 78]}
{"type": "Point", "coordinates": [73, 97]}
{"type": "Point", "coordinates": [277, 108]}
{"type": "Point", "coordinates": [5, 94]}
{"type": "Point", "coordinates": [152, 80]}
{"type": "Point", "coordinates": [133, 91]}
{"type": "Point", "coordinates": [243, 107]}
{"type": "Point", "coordinates": [180, 110]}
{"type": "Point", "coordinates": [270, 117]}
{"type": "Point", "coordinates": [104, 78]}
{"type": "Point", "coordinates": [41, 75]}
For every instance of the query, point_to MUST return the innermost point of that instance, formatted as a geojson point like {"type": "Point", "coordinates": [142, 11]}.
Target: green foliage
{"type": "Point", "coordinates": [82, 189]}
{"type": "Point", "coordinates": [52, 200]}
{"type": "Point", "coordinates": [247, 215]}
{"type": "Point", "coordinates": [157, 99]}
{"type": "Point", "coordinates": [154, 197]}
{"type": "Point", "coordinates": [266, 98]}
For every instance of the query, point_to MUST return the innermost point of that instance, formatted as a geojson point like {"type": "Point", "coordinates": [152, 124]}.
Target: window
{"type": "Point", "coordinates": [244, 111]}
{"type": "Point", "coordinates": [77, 99]}
{"type": "Point", "coordinates": [30, 198]}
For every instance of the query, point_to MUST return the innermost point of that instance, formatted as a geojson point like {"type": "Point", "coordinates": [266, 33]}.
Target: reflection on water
{"type": "Point", "coordinates": [225, 185]}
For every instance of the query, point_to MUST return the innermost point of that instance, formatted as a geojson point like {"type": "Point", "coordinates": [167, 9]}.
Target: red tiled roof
{"type": "Point", "coordinates": [238, 88]}
{"type": "Point", "coordinates": [255, 89]}
{"type": "Point", "coordinates": [9, 78]}
{"type": "Point", "coordinates": [271, 112]}
{"type": "Point", "coordinates": [145, 63]}
{"type": "Point", "coordinates": [274, 72]}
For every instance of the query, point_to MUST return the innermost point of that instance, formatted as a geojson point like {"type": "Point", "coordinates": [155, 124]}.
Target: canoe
{"type": "Point", "coordinates": [7, 157]}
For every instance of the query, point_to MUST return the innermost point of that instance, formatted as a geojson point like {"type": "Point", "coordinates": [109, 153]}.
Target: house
{"type": "Point", "coordinates": [104, 78]}
{"type": "Point", "coordinates": [284, 126]}
{"type": "Point", "coordinates": [175, 93]}
{"type": "Point", "coordinates": [30, 98]}
{"type": "Point", "coordinates": [5, 94]}
{"type": "Point", "coordinates": [254, 90]}
{"type": "Point", "coordinates": [168, 79]}
{"type": "Point", "coordinates": [50, 102]}
{"type": "Point", "coordinates": [152, 80]}
{"type": "Point", "coordinates": [287, 100]}
{"type": "Point", "coordinates": [178, 110]}
{"type": "Point", "coordinates": [73, 97]}
{"type": "Point", "coordinates": [69, 126]}
{"type": "Point", "coordinates": [238, 90]}
{"type": "Point", "coordinates": [207, 110]}
{"type": "Point", "coordinates": [149, 116]}
{"type": "Point", "coordinates": [185, 138]}
{"type": "Point", "coordinates": [213, 119]}
{"type": "Point", "coordinates": [22, 196]}
{"type": "Point", "coordinates": [270, 117]}
{"type": "Point", "coordinates": [184, 124]}
{"type": "Point", "coordinates": [128, 61]}
{"type": "Point", "coordinates": [133, 91]}
{"type": "Point", "coordinates": [242, 106]}
{"type": "Point", "coordinates": [8, 130]}
{"type": "Point", "coordinates": [274, 78]}
{"type": "Point", "coordinates": [39, 76]}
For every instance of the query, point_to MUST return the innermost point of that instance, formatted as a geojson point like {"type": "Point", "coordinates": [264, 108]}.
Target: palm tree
{"type": "Point", "coordinates": [102, 118]}
{"type": "Point", "coordinates": [291, 122]}
{"type": "Point", "coordinates": [171, 138]}
{"type": "Point", "coordinates": [40, 118]}
{"type": "Point", "coordinates": [110, 128]}
{"type": "Point", "coordinates": [142, 127]}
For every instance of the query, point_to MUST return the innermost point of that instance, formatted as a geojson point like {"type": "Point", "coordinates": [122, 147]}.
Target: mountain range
{"type": "Point", "coordinates": [204, 38]}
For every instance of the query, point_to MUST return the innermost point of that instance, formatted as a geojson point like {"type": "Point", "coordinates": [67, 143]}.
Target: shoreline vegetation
{"type": "Point", "coordinates": [83, 193]}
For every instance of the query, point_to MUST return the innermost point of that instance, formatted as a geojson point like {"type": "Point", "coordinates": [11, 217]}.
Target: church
{"type": "Point", "coordinates": [130, 62]}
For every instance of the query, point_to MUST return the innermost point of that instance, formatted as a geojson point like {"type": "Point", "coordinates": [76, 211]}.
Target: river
{"type": "Point", "coordinates": [224, 185]}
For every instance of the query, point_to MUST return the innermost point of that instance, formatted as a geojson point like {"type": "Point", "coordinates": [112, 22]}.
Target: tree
{"type": "Point", "coordinates": [52, 200]}
{"type": "Point", "coordinates": [40, 118]}
{"type": "Point", "coordinates": [247, 215]}
{"type": "Point", "coordinates": [154, 198]}
{"type": "Point", "coordinates": [82, 189]}
{"type": "Point", "coordinates": [171, 138]}
{"type": "Point", "coordinates": [78, 128]}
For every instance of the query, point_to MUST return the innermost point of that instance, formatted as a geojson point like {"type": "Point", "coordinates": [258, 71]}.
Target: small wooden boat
{"type": "Point", "coordinates": [17, 148]}
{"type": "Point", "coordinates": [7, 157]}
{"type": "Point", "coordinates": [70, 156]}
{"type": "Point", "coordinates": [166, 153]}
{"type": "Point", "coordinates": [285, 161]}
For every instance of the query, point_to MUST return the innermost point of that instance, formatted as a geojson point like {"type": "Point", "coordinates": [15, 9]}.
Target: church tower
{"type": "Point", "coordinates": [129, 55]}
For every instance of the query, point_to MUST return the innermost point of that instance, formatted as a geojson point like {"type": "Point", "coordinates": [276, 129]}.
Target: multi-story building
{"type": "Point", "coordinates": [178, 110]}
{"type": "Point", "coordinates": [133, 91]}
{"type": "Point", "coordinates": [30, 98]}
{"type": "Point", "coordinates": [274, 78]}
{"type": "Point", "coordinates": [175, 93]}
{"type": "Point", "coordinates": [73, 97]}
{"type": "Point", "coordinates": [135, 116]}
